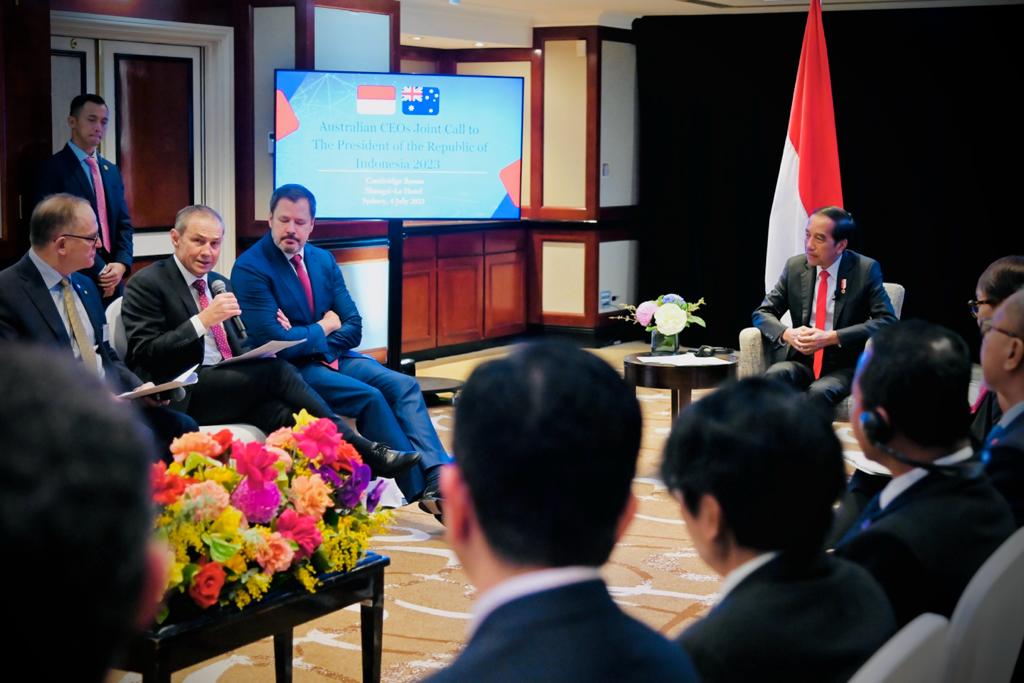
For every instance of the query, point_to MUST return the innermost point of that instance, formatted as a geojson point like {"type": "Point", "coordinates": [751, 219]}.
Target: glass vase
{"type": "Point", "coordinates": [664, 344]}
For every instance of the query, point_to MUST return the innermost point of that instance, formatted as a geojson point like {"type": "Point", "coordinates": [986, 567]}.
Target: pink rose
{"type": "Point", "coordinates": [276, 554]}
{"type": "Point", "coordinates": [300, 529]}
{"type": "Point", "coordinates": [645, 311]}
{"type": "Point", "coordinates": [210, 499]}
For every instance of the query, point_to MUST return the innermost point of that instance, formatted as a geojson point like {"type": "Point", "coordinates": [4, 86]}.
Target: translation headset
{"type": "Point", "coordinates": [879, 432]}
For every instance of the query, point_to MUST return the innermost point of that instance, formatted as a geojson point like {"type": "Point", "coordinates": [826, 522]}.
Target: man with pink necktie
{"type": "Point", "coordinates": [836, 297]}
{"type": "Point", "coordinates": [79, 169]}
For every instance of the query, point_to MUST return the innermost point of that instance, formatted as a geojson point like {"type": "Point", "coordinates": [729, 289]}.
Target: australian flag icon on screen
{"type": "Point", "coordinates": [420, 101]}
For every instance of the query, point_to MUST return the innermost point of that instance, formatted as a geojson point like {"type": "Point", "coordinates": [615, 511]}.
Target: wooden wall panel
{"type": "Point", "coordinates": [460, 244]}
{"type": "Point", "coordinates": [460, 302]}
{"type": "Point", "coordinates": [153, 98]}
{"type": "Point", "coordinates": [497, 241]}
{"type": "Point", "coordinates": [505, 294]}
{"type": "Point", "coordinates": [419, 305]}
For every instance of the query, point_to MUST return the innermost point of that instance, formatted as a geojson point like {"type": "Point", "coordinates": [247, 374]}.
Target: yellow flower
{"type": "Point", "coordinates": [175, 577]}
{"type": "Point", "coordinates": [236, 563]}
{"type": "Point", "coordinates": [221, 475]}
{"type": "Point", "coordinates": [228, 522]}
{"type": "Point", "coordinates": [307, 578]}
{"type": "Point", "coordinates": [303, 418]}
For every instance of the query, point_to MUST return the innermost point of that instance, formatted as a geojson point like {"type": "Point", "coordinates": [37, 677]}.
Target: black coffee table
{"type": "Point", "coordinates": [681, 380]}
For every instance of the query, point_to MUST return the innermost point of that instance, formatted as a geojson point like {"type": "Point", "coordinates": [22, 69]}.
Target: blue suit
{"type": "Point", "coordinates": [388, 406]}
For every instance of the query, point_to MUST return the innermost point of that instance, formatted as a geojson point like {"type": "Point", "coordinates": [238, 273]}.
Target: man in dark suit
{"type": "Point", "coordinates": [836, 296]}
{"type": "Point", "coordinates": [786, 610]}
{"type": "Point", "coordinates": [172, 323]}
{"type": "Point", "coordinates": [929, 530]}
{"type": "Point", "coordinates": [43, 300]}
{"type": "Point", "coordinates": [1002, 361]}
{"type": "Point", "coordinates": [536, 434]}
{"type": "Point", "coordinates": [292, 290]}
{"type": "Point", "coordinates": [75, 170]}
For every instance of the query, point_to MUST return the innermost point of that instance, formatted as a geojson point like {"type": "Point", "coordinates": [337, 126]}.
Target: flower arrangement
{"type": "Point", "coordinates": [669, 314]}
{"type": "Point", "coordinates": [238, 519]}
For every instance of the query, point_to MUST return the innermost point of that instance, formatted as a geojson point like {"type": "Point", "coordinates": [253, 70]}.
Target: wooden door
{"type": "Point", "coordinates": [504, 294]}
{"type": "Point", "coordinates": [460, 299]}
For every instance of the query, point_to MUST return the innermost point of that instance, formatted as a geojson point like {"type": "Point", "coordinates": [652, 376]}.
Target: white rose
{"type": "Point", "coordinates": [670, 319]}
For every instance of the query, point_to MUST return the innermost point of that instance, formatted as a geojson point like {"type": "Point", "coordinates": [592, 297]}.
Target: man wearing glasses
{"type": "Point", "coordinates": [1002, 362]}
{"type": "Point", "coordinates": [44, 299]}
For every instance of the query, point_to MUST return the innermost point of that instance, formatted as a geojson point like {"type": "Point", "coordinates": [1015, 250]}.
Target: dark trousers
{"type": "Point", "coordinates": [166, 425]}
{"type": "Point", "coordinates": [831, 388]}
{"type": "Point", "coordinates": [264, 392]}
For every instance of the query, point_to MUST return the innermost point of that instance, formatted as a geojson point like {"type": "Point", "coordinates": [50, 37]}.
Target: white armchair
{"type": "Point", "coordinates": [754, 347]}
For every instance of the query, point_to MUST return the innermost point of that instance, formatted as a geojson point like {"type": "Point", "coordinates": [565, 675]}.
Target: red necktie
{"type": "Point", "coordinates": [819, 319]}
{"type": "Point", "coordinates": [219, 336]}
{"type": "Point", "coordinates": [307, 286]}
{"type": "Point", "coordinates": [101, 203]}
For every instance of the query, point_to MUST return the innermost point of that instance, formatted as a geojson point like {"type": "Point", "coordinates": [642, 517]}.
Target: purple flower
{"type": "Point", "coordinates": [352, 489]}
{"type": "Point", "coordinates": [257, 501]}
{"type": "Point", "coordinates": [645, 311]}
{"type": "Point", "coordinates": [673, 299]}
{"type": "Point", "coordinates": [329, 475]}
{"type": "Point", "coordinates": [373, 497]}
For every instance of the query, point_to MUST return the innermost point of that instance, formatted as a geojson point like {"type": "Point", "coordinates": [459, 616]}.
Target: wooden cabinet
{"type": "Point", "coordinates": [463, 287]}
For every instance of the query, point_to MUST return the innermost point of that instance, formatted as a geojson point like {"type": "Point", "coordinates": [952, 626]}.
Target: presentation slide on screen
{"type": "Point", "coordinates": [372, 145]}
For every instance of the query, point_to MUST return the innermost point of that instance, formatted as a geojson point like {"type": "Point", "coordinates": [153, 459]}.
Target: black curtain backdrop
{"type": "Point", "coordinates": [930, 151]}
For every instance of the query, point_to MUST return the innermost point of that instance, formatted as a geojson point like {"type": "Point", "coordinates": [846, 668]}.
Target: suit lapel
{"type": "Point", "coordinates": [77, 173]}
{"type": "Point", "coordinates": [285, 276]}
{"type": "Point", "coordinates": [807, 287]}
{"type": "Point", "coordinates": [845, 268]}
{"type": "Point", "coordinates": [39, 295]}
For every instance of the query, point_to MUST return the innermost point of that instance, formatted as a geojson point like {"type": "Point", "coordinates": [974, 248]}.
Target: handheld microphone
{"type": "Point", "coordinates": [218, 287]}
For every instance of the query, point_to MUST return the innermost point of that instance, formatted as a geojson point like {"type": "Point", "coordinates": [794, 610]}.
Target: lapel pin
{"type": "Point", "coordinates": [105, 167]}
{"type": "Point", "coordinates": [842, 286]}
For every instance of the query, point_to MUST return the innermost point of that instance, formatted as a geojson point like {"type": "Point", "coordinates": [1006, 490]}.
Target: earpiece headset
{"type": "Point", "coordinates": [879, 432]}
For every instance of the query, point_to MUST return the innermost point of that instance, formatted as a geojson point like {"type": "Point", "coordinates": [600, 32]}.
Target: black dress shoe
{"type": "Point", "coordinates": [431, 501]}
{"type": "Point", "coordinates": [387, 462]}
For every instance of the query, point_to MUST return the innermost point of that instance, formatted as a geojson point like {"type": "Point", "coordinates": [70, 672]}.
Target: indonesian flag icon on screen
{"type": "Point", "coordinates": [375, 99]}
{"type": "Point", "coordinates": [421, 101]}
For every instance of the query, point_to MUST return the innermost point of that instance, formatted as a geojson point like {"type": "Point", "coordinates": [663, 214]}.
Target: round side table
{"type": "Point", "coordinates": [681, 380]}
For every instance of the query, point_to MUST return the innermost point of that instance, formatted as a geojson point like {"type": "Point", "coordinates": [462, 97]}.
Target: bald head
{"type": "Point", "coordinates": [1002, 350]}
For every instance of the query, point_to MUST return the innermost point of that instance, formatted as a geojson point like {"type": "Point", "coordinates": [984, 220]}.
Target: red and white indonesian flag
{"type": "Point", "coordinates": [809, 175]}
{"type": "Point", "coordinates": [375, 99]}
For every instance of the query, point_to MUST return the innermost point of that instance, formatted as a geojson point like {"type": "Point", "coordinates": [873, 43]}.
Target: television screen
{"type": "Point", "coordinates": [379, 145]}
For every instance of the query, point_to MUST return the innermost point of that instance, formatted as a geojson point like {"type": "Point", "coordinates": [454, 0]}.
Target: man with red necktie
{"type": "Point", "coordinates": [836, 297]}
{"type": "Point", "coordinates": [79, 169]}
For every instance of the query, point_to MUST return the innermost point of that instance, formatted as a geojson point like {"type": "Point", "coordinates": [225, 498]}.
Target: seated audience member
{"type": "Point", "coordinates": [536, 435]}
{"type": "Point", "coordinates": [44, 300]}
{"type": "Point", "coordinates": [1000, 280]}
{"type": "Point", "coordinates": [787, 611]}
{"type": "Point", "coordinates": [929, 530]}
{"type": "Point", "coordinates": [1002, 361]}
{"type": "Point", "coordinates": [290, 289]}
{"type": "Point", "coordinates": [75, 511]}
{"type": "Point", "coordinates": [172, 323]}
{"type": "Point", "coordinates": [836, 297]}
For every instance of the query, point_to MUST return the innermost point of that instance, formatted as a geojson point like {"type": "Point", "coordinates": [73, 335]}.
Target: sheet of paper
{"type": "Point", "coordinates": [684, 360]}
{"type": "Point", "coordinates": [265, 351]}
{"type": "Point", "coordinates": [861, 462]}
{"type": "Point", "coordinates": [183, 380]}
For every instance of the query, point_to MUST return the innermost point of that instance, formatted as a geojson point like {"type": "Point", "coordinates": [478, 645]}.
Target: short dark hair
{"type": "Point", "coordinates": [540, 436]}
{"type": "Point", "coordinates": [52, 216]}
{"type": "Point", "coordinates": [293, 192]}
{"type": "Point", "coordinates": [758, 446]}
{"type": "Point", "coordinates": [74, 506]}
{"type": "Point", "coordinates": [919, 372]}
{"type": "Point", "coordinates": [843, 224]}
{"type": "Point", "coordinates": [78, 101]}
{"type": "Point", "coordinates": [1002, 278]}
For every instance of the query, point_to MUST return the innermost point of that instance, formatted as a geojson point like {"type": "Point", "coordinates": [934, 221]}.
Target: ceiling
{"type": "Point", "coordinates": [509, 23]}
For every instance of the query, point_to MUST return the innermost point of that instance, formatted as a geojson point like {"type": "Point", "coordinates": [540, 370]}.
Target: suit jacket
{"type": "Point", "coordinates": [1004, 463]}
{"type": "Point", "coordinates": [27, 313]}
{"type": "Point", "coordinates": [926, 545]}
{"type": "Point", "coordinates": [63, 172]}
{"type": "Point", "coordinates": [572, 633]}
{"type": "Point", "coordinates": [859, 312]}
{"type": "Point", "coordinates": [793, 619]}
{"type": "Point", "coordinates": [265, 281]}
{"type": "Point", "coordinates": [157, 312]}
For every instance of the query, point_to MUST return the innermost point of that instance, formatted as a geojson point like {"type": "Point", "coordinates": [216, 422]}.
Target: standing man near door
{"type": "Point", "coordinates": [79, 169]}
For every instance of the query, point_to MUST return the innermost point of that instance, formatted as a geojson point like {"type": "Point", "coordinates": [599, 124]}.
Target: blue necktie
{"type": "Point", "coordinates": [992, 440]}
{"type": "Point", "coordinates": [868, 515]}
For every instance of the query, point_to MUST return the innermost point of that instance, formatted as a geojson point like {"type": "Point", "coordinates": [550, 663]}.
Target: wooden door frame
{"type": "Point", "coordinates": [217, 44]}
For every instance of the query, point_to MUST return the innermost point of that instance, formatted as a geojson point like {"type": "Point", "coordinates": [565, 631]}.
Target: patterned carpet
{"type": "Point", "coordinates": [654, 574]}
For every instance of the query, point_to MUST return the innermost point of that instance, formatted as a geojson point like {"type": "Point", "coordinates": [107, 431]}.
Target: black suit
{"type": "Point", "coordinates": [1004, 463]}
{"type": "Point", "coordinates": [28, 313]}
{"type": "Point", "coordinates": [793, 620]}
{"type": "Point", "coordinates": [925, 546]}
{"type": "Point", "coordinates": [860, 311]}
{"type": "Point", "coordinates": [63, 172]}
{"type": "Point", "coordinates": [572, 633]}
{"type": "Point", "coordinates": [162, 343]}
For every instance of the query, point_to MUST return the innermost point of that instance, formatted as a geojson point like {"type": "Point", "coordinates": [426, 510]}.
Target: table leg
{"type": "Point", "coordinates": [680, 400]}
{"type": "Point", "coordinates": [156, 672]}
{"type": "Point", "coordinates": [283, 657]}
{"type": "Point", "coordinates": [372, 629]}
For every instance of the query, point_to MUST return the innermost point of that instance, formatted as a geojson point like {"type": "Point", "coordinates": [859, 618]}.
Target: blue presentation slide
{"type": "Point", "coordinates": [373, 145]}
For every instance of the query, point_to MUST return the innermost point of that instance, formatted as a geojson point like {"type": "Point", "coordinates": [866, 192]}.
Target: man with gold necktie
{"type": "Point", "coordinates": [836, 299]}
{"type": "Point", "coordinates": [79, 169]}
{"type": "Point", "coordinates": [44, 299]}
